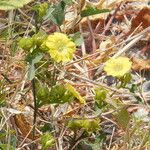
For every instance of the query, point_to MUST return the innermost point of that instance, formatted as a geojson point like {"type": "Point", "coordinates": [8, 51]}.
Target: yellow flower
{"type": "Point", "coordinates": [117, 67]}
{"type": "Point", "coordinates": [61, 48]}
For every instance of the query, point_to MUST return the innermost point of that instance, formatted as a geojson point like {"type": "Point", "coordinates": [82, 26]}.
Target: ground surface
{"type": "Point", "coordinates": [75, 105]}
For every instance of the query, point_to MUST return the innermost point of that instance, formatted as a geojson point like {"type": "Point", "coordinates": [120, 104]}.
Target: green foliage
{"type": "Point", "coordinates": [39, 38]}
{"type": "Point", "coordinates": [33, 59]}
{"type": "Point", "coordinates": [89, 125]}
{"type": "Point", "coordinates": [75, 93]}
{"type": "Point", "coordinates": [34, 49]}
{"type": "Point", "coordinates": [58, 94]}
{"type": "Point", "coordinates": [12, 4]}
{"type": "Point", "coordinates": [44, 75]}
{"type": "Point", "coordinates": [100, 97]}
{"type": "Point", "coordinates": [41, 10]}
{"type": "Point", "coordinates": [26, 43]}
{"type": "Point", "coordinates": [2, 134]}
{"type": "Point", "coordinates": [133, 88]}
{"type": "Point", "coordinates": [43, 95]}
{"type": "Point", "coordinates": [34, 42]}
{"type": "Point", "coordinates": [47, 128]}
{"type": "Point", "coordinates": [125, 80]}
{"type": "Point", "coordinates": [47, 141]}
{"type": "Point", "coordinates": [6, 146]}
{"type": "Point", "coordinates": [116, 103]}
{"type": "Point", "coordinates": [14, 47]}
{"type": "Point", "coordinates": [75, 124]}
{"type": "Point", "coordinates": [97, 143]}
{"type": "Point", "coordinates": [2, 99]}
{"type": "Point", "coordinates": [56, 13]}
{"type": "Point", "coordinates": [122, 117]}
{"type": "Point", "coordinates": [92, 11]}
{"type": "Point", "coordinates": [77, 38]}
{"type": "Point", "coordinates": [2, 95]}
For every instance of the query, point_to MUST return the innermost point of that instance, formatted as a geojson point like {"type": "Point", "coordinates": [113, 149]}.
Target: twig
{"type": "Point", "coordinates": [26, 137]}
{"type": "Point", "coordinates": [28, 144]}
{"type": "Point", "coordinates": [111, 19]}
{"type": "Point", "coordinates": [96, 53]}
{"type": "Point", "coordinates": [91, 37]}
{"type": "Point", "coordinates": [111, 138]}
{"type": "Point", "coordinates": [77, 141]}
{"type": "Point", "coordinates": [95, 83]}
{"type": "Point", "coordinates": [6, 78]}
{"type": "Point", "coordinates": [127, 47]}
{"type": "Point", "coordinates": [76, 144]}
{"type": "Point", "coordinates": [130, 44]}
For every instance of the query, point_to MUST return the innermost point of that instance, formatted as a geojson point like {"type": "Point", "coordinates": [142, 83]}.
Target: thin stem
{"type": "Point", "coordinates": [34, 89]}
{"type": "Point", "coordinates": [35, 110]}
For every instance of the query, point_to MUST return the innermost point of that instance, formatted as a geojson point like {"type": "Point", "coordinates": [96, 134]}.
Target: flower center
{"type": "Point", "coordinates": [117, 67]}
{"type": "Point", "coordinates": [61, 46]}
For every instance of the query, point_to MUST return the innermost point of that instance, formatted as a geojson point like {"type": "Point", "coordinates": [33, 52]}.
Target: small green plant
{"type": "Point", "coordinates": [47, 141]}
{"type": "Point", "coordinates": [100, 97]}
{"type": "Point", "coordinates": [89, 125]}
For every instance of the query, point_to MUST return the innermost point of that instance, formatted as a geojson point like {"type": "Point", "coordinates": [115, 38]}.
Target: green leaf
{"type": "Point", "coordinates": [125, 80]}
{"type": "Point", "coordinates": [41, 10]}
{"type": "Point", "coordinates": [122, 118]}
{"type": "Point", "coordinates": [92, 11]}
{"type": "Point", "coordinates": [75, 124]}
{"type": "Point", "coordinates": [12, 4]}
{"type": "Point", "coordinates": [26, 43]}
{"type": "Point", "coordinates": [2, 134]}
{"type": "Point", "coordinates": [47, 127]}
{"type": "Point", "coordinates": [47, 141]}
{"type": "Point", "coordinates": [89, 125]}
{"type": "Point", "coordinates": [32, 61]}
{"type": "Point", "coordinates": [59, 95]}
{"type": "Point", "coordinates": [56, 13]}
{"type": "Point", "coordinates": [2, 95]}
{"type": "Point", "coordinates": [117, 103]}
{"type": "Point", "coordinates": [39, 38]}
{"type": "Point", "coordinates": [97, 143]}
{"type": "Point", "coordinates": [37, 58]}
{"type": "Point", "coordinates": [100, 97]}
{"type": "Point", "coordinates": [2, 99]}
{"type": "Point", "coordinates": [43, 95]}
{"type": "Point", "coordinates": [133, 88]}
{"type": "Point", "coordinates": [77, 38]}
{"type": "Point", "coordinates": [75, 93]}
{"type": "Point", "coordinates": [6, 146]}
{"type": "Point", "coordinates": [31, 72]}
